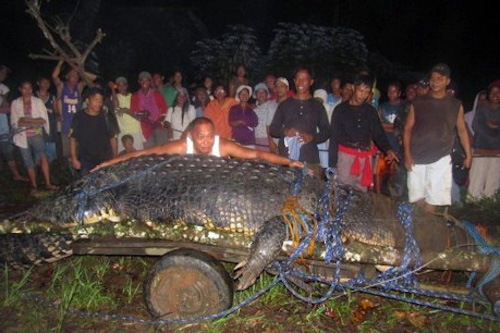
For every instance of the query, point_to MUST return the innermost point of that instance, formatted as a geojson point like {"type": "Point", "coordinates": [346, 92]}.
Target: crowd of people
{"type": "Point", "coordinates": [342, 126]}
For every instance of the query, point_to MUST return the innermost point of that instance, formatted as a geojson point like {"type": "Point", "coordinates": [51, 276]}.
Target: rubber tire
{"type": "Point", "coordinates": [186, 283]}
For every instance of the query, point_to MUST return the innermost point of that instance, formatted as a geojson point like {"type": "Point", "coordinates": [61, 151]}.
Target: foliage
{"type": "Point", "coordinates": [220, 57]}
{"type": "Point", "coordinates": [327, 50]}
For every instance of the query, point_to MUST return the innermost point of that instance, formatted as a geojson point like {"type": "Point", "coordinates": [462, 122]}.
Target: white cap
{"type": "Point", "coordinates": [321, 93]}
{"type": "Point", "coordinates": [240, 88]}
{"type": "Point", "coordinates": [283, 80]}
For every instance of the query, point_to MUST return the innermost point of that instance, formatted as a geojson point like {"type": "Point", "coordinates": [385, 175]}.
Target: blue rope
{"type": "Point", "coordinates": [484, 248]}
{"type": "Point", "coordinates": [399, 279]}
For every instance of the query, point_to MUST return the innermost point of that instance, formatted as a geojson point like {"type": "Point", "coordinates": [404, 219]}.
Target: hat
{"type": "Point", "coordinates": [423, 83]}
{"type": "Point", "coordinates": [121, 79]}
{"type": "Point", "coordinates": [321, 93]}
{"type": "Point", "coordinates": [494, 84]}
{"type": "Point", "coordinates": [283, 80]}
{"type": "Point", "coordinates": [260, 86]}
{"type": "Point", "coordinates": [442, 69]}
{"type": "Point", "coordinates": [240, 88]}
{"type": "Point", "coordinates": [144, 75]}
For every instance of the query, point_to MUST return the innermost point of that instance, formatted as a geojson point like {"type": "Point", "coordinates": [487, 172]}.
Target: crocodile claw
{"type": "Point", "coordinates": [246, 279]}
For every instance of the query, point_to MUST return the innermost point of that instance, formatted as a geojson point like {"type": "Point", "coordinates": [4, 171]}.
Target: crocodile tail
{"type": "Point", "coordinates": [26, 250]}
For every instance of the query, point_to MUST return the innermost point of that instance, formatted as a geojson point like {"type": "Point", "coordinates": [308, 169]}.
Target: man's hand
{"type": "Point", "coordinates": [290, 132]}
{"type": "Point", "coordinates": [468, 162]}
{"type": "Point", "coordinates": [391, 156]}
{"type": "Point", "coordinates": [306, 137]}
{"type": "Point", "coordinates": [296, 164]}
{"type": "Point", "coordinates": [76, 164]}
{"type": "Point", "coordinates": [273, 147]}
{"type": "Point", "coordinates": [409, 162]}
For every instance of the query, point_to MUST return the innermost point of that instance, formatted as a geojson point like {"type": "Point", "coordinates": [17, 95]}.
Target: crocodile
{"type": "Point", "coordinates": [236, 196]}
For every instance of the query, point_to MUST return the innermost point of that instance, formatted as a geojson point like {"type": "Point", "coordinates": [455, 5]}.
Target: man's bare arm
{"type": "Point", "coordinates": [235, 150]}
{"type": "Point", "coordinates": [114, 145]}
{"type": "Point", "coordinates": [409, 123]}
{"type": "Point", "coordinates": [174, 147]}
{"type": "Point", "coordinates": [463, 135]}
{"type": "Point", "coordinates": [5, 106]}
{"type": "Point", "coordinates": [56, 79]}
{"type": "Point", "coordinates": [72, 154]}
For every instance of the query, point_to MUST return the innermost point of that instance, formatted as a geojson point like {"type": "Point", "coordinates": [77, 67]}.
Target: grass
{"type": "Point", "coordinates": [105, 285]}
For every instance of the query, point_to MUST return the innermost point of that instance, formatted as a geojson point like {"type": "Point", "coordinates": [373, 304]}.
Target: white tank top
{"type": "Point", "coordinates": [215, 148]}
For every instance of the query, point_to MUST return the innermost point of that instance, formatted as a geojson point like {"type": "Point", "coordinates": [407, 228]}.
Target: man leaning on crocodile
{"type": "Point", "coordinates": [200, 139]}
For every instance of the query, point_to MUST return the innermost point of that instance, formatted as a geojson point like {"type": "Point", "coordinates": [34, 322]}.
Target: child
{"type": "Point", "coordinates": [128, 144]}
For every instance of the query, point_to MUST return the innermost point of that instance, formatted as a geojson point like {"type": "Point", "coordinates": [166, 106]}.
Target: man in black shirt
{"type": "Point", "coordinates": [301, 123]}
{"type": "Point", "coordinates": [93, 135]}
{"type": "Point", "coordinates": [354, 125]}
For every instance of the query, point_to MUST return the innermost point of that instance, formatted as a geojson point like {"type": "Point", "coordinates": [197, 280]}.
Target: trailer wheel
{"type": "Point", "coordinates": [187, 283]}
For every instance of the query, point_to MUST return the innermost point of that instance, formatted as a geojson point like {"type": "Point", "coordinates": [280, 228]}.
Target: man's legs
{"type": "Point", "coordinates": [416, 186]}
{"type": "Point", "coordinates": [7, 154]}
{"type": "Point", "coordinates": [344, 165]}
{"type": "Point", "coordinates": [29, 165]}
{"type": "Point", "coordinates": [439, 181]}
{"type": "Point", "coordinates": [492, 176]}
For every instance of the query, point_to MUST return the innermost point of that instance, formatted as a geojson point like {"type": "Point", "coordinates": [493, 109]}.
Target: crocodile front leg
{"type": "Point", "coordinates": [265, 248]}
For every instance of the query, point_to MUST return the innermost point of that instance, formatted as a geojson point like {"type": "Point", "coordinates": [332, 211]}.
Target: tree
{"type": "Point", "coordinates": [328, 50]}
{"type": "Point", "coordinates": [220, 57]}
{"type": "Point", "coordinates": [74, 53]}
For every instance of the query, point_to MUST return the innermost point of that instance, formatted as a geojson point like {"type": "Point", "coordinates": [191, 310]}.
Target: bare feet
{"type": "Point", "coordinates": [51, 187]}
{"type": "Point", "coordinates": [20, 178]}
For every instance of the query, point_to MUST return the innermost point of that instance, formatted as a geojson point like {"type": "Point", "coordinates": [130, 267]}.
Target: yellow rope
{"type": "Point", "coordinates": [291, 212]}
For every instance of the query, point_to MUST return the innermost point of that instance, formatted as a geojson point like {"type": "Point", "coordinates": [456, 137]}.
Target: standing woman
{"type": "Point", "coordinates": [201, 100]}
{"type": "Point", "coordinates": [239, 80]}
{"type": "Point", "coordinates": [485, 170]}
{"type": "Point", "coordinates": [209, 85]}
{"type": "Point", "coordinates": [243, 119]}
{"type": "Point", "coordinates": [177, 79]}
{"type": "Point", "coordinates": [180, 115]}
{"type": "Point", "coordinates": [29, 110]}
{"type": "Point", "coordinates": [128, 125]}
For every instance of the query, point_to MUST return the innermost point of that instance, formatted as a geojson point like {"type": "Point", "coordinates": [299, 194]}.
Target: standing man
{"type": "Point", "coordinates": [428, 141]}
{"type": "Point", "coordinates": [335, 96]}
{"type": "Point", "coordinates": [93, 134]}
{"type": "Point", "coordinates": [69, 97]}
{"type": "Point", "coordinates": [29, 111]}
{"type": "Point", "coordinates": [153, 107]}
{"type": "Point", "coordinates": [301, 123]}
{"type": "Point", "coordinates": [282, 88]}
{"type": "Point", "coordinates": [354, 126]}
{"type": "Point", "coordinates": [168, 92]}
{"type": "Point", "coordinates": [6, 146]}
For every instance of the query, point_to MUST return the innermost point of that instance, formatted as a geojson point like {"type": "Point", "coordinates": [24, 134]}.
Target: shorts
{"type": "Point", "coordinates": [50, 152]}
{"type": "Point", "coordinates": [7, 151]}
{"type": "Point", "coordinates": [38, 145]}
{"type": "Point", "coordinates": [431, 182]}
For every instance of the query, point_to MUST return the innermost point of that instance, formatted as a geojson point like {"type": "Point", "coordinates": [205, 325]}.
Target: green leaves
{"type": "Point", "coordinates": [220, 57]}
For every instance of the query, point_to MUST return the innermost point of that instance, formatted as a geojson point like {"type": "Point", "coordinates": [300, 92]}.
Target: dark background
{"type": "Point", "coordinates": [159, 35]}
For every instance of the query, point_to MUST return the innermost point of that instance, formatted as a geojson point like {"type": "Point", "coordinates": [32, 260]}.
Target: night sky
{"type": "Point", "coordinates": [415, 34]}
